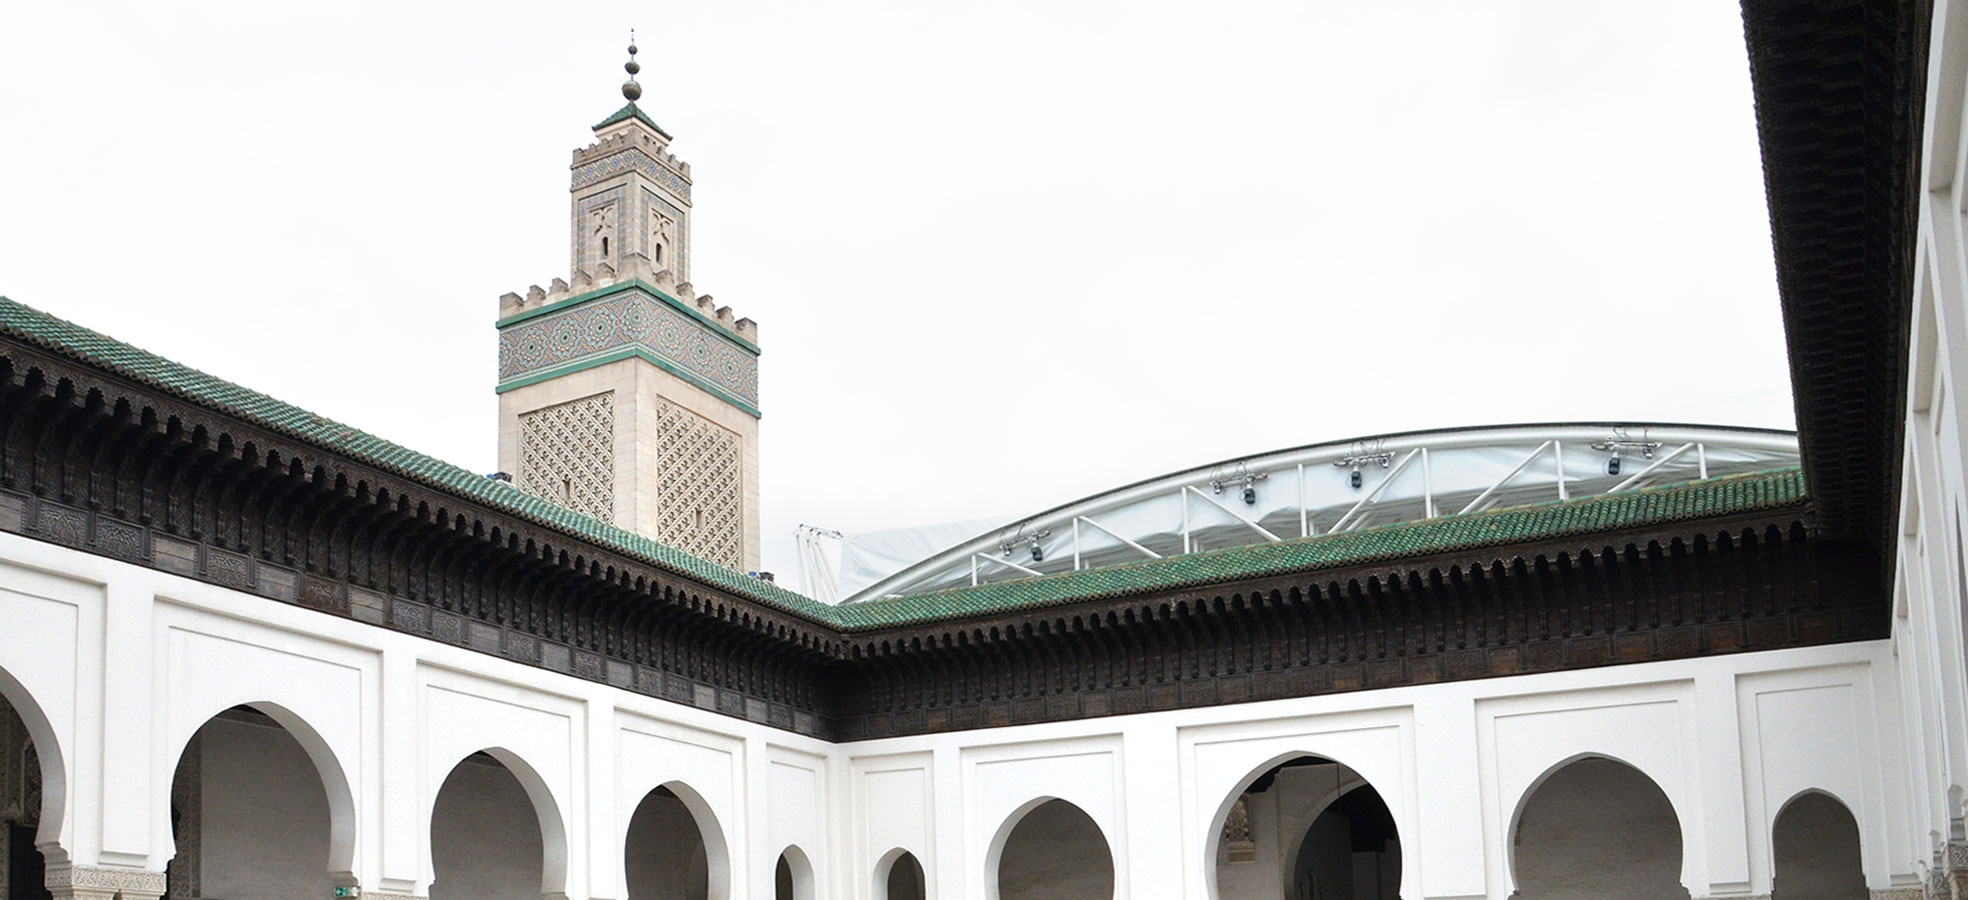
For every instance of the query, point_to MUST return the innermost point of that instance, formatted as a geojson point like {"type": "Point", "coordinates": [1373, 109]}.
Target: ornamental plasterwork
{"type": "Point", "coordinates": [625, 319]}
{"type": "Point", "coordinates": [132, 881]}
{"type": "Point", "coordinates": [700, 493]}
{"type": "Point", "coordinates": [1238, 845]}
{"type": "Point", "coordinates": [567, 455]}
{"type": "Point", "coordinates": [631, 160]}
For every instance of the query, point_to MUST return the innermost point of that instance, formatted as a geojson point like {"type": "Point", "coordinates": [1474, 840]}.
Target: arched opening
{"type": "Point", "coordinates": [1597, 829]}
{"type": "Point", "coordinates": [673, 849]}
{"type": "Point", "coordinates": [255, 805]}
{"type": "Point", "coordinates": [23, 871]}
{"type": "Point", "coordinates": [1054, 851]}
{"type": "Point", "coordinates": [898, 876]}
{"type": "Point", "coordinates": [486, 836]}
{"type": "Point", "coordinates": [792, 878]}
{"type": "Point", "coordinates": [1308, 828]}
{"type": "Point", "coordinates": [1816, 844]}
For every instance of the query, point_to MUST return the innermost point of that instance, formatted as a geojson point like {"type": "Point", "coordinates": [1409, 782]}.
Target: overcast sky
{"type": "Point", "coordinates": [1002, 255]}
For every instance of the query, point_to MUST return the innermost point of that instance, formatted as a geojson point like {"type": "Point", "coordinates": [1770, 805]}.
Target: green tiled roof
{"type": "Point", "coordinates": [1607, 512]}
{"type": "Point", "coordinates": [632, 111]}
{"type": "Point", "coordinates": [70, 339]}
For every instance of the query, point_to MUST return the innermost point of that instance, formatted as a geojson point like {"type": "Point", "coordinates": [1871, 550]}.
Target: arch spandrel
{"type": "Point", "coordinates": [337, 776]}
{"type": "Point", "coordinates": [43, 680]}
{"type": "Point", "coordinates": [710, 829]}
{"type": "Point", "coordinates": [546, 809]}
{"type": "Point", "coordinates": [702, 773]}
{"type": "Point", "coordinates": [1525, 740]}
{"type": "Point", "coordinates": [1375, 747]}
{"type": "Point", "coordinates": [996, 857]}
{"type": "Point", "coordinates": [1686, 867]}
{"type": "Point", "coordinates": [1002, 791]}
{"type": "Point", "coordinates": [216, 665]}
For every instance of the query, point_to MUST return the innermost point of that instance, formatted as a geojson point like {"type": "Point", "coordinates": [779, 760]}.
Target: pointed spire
{"type": "Point", "coordinates": [630, 88]}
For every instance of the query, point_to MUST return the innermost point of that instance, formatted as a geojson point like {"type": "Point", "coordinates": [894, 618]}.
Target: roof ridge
{"type": "Point", "coordinates": [1724, 495]}
{"type": "Point", "coordinates": [1701, 498]}
{"type": "Point", "coordinates": [79, 342]}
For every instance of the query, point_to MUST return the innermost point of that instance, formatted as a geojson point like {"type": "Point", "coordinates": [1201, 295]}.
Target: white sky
{"type": "Point", "coordinates": [1002, 255]}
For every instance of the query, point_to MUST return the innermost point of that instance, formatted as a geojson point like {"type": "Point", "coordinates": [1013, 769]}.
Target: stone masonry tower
{"type": "Point", "coordinates": [624, 394]}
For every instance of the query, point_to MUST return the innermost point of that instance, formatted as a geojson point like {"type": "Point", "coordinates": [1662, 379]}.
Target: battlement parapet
{"type": "Point", "coordinates": [635, 267]}
{"type": "Point", "coordinates": [631, 140]}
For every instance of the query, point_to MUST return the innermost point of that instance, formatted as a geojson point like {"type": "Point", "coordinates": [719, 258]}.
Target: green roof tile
{"type": "Point", "coordinates": [1605, 512]}
{"type": "Point", "coordinates": [1751, 492]}
{"type": "Point", "coordinates": [632, 111]}
{"type": "Point", "coordinates": [75, 341]}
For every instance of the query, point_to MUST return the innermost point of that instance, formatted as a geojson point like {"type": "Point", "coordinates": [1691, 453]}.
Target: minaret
{"type": "Point", "coordinates": [623, 394]}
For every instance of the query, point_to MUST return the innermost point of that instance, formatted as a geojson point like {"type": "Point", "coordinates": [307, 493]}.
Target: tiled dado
{"type": "Point", "coordinates": [93, 532]}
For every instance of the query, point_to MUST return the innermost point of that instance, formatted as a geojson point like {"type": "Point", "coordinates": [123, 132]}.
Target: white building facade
{"type": "Point", "coordinates": [246, 654]}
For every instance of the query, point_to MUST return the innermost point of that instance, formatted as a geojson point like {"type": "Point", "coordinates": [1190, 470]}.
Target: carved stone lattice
{"type": "Point", "coordinates": [567, 455]}
{"type": "Point", "coordinates": [1237, 843]}
{"type": "Point", "coordinates": [700, 492]}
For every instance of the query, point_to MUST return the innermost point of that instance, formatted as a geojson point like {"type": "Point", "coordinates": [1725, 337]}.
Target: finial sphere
{"type": "Point", "coordinates": [633, 67]}
{"type": "Point", "coordinates": [632, 49]}
{"type": "Point", "coordinates": [631, 90]}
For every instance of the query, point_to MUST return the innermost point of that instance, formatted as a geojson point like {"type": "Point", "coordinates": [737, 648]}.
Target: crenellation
{"type": "Point", "coordinates": [635, 267]}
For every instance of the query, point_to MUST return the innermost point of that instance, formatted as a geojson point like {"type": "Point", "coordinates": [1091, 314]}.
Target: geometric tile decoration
{"type": "Point", "coordinates": [567, 455]}
{"type": "Point", "coordinates": [618, 163]}
{"type": "Point", "coordinates": [629, 318]}
{"type": "Point", "coordinates": [700, 493]}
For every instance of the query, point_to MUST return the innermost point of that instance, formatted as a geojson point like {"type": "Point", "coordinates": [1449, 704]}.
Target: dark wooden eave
{"type": "Point", "coordinates": [1839, 88]}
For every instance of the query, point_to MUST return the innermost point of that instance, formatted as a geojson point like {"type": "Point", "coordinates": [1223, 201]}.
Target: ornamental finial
{"type": "Point", "coordinates": [630, 89]}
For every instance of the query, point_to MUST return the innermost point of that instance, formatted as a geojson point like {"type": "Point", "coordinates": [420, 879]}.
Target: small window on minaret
{"type": "Point", "coordinates": [566, 491]}
{"type": "Point", "coordinates": [656, 253]}
{"type": "Point", "coordinates": [604, 246]}
{"type": "Point", "coordinates": [700, 517]}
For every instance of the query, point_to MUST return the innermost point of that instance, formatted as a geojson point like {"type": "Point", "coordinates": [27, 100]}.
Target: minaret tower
{"type": "Point", "coordinates": [624, 394]}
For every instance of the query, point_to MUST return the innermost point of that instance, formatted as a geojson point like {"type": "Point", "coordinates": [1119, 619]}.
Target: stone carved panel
{"type": "Point", "coordinates": [1238, 845]}
{"type": "Point", "coordinates": [567, 455]}
{"type": "Point", "coordinates": [700, 496]}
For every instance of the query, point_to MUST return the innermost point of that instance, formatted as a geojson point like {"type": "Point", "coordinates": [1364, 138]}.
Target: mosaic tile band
{"type": "Point", "coordinates": [610, 166]}
{"type": "Point", "coordinates": [621, 320]}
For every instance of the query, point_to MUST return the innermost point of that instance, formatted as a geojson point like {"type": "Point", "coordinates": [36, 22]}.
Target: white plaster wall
{"type": "Point", "coordinates": [153, 655]}
{"type": "Point", "coordinates": [263, 815]}
{"type": "Point", "coordinates": [45, 679]}
{"type": "Point", "coordinates": [1929, 756]}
